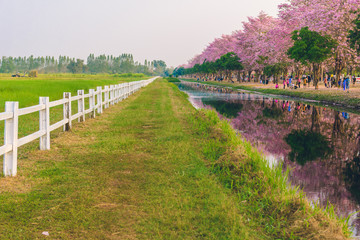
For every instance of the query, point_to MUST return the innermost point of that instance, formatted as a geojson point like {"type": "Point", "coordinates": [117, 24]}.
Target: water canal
{"type": "Point", "coordinates": [319, 144]}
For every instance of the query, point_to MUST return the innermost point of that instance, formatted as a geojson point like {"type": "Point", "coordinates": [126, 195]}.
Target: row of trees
{"type": "Point", "coordinates": [95, 64]}
{"type": "Point", "coordinates": [264, 42]}
{"type": "Point", "coordinates": [220, 68]}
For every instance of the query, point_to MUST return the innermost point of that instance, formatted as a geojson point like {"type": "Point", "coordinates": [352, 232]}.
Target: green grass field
{"type": "Point", "coordinates": [28, 90]}
{"type": "Point", "coordinates": [153, 167]}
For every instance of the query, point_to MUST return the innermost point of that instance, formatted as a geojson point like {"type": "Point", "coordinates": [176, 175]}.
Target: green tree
{"type": "Point", "coordinates": [179, 71]}
{"type": "Point", "coordinates": [229, 62]}
{"type": "Point", "coordinates": [76, 66]}
{"type": "Point", "coordinates": [159, 67]}
{"type": "Point", "coordinates": [310, 47]}
{"type": "Point", "coordinates": [354, 35]}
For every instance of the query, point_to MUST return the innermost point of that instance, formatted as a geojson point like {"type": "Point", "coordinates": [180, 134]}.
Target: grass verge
{"type": "Point", "coordinates": [153, 167]}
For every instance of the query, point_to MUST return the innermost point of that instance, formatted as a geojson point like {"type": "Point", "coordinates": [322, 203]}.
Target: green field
{"type": "Point", "coordinates": [28, 90]}
{"type": "Point", "coordinates": [153, 167]}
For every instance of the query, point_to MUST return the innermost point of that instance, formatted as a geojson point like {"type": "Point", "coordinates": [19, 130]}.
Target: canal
{"type": "Point", "coordinates": [320, 145]}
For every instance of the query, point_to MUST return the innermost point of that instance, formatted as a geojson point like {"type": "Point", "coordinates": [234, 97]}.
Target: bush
{"type": "Point", "coordinates": [33, 73]}
{"type": "Point", "coordinates": [128, 75]}
{"type": "Point", "coordinates": [172, 79]}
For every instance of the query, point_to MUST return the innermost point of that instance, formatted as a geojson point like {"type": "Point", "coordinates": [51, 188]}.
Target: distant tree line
{"type": "Point", "coordinates": [95, 64]}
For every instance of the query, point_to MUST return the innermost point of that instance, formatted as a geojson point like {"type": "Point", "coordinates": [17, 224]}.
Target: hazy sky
{"type": "Point", "coordinates": [170, 30]}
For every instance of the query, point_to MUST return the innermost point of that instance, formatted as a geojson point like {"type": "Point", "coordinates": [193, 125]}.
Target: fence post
{"type": "Point", "coordinates": [106, 95]}
{"type": "Point", "coordinates": [92, 102]}
{"type": "Point", "coordinates": [11, 138]}
{"type": "Point", "coordinates": [44, 122]}
{"type": "Point", "coordinates": [81, 106]}
{"type": "Point", "coordinates": [122, 91]}
{"type": "Point", "coordinates": [128, 90]}
{"type": "Point", "coordinates": [111, 94]}
{"type": "Point", "coordinates": [67, 111]}
{"type": "Point", "coordinates": [99, 99]}
{"type": "Point", "coordinates": [116, 93]}
{"type": "Point", "coordinates": [119, 93]}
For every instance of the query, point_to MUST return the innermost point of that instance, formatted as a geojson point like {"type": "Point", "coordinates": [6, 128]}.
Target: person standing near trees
{"type": "Point", "coordinates": [347, 83]}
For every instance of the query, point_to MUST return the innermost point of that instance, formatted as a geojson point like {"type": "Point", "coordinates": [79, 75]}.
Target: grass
{"type": "Point", "coordinates": [278, 211]}
{"type": "Point", "coordinates": [28, 90]}
{"type": "Point", "coordinates": [172, 79]}
{"type": "Point", "coordinates": [153, 167]}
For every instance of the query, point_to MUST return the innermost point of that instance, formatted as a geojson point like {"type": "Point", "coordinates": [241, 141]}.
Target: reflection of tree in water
{"type": "Point", "coordinates": [330, 178]}
{"type": "Point", "coordinates": [337, 127]}
{"type": "Point", "coordinates": [272, 112]}
{"type": "Point", "coordinates": [307, 146]}
{"type": "Point", "coordinates": [315, 119]}
{"type": "Point", "coordinates": [352, 177]}
{"type": "Point", "coordinates": [226, 108]}
{"type": "Point", "coordinates": [352, 172]}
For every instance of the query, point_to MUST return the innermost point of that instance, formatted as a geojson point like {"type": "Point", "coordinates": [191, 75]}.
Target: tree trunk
{"type": "Point", "coordinates": [339, 66]}
{"type": "Point", "coordinates": [337, 126]}
{"type": "Point", "coordinates": [315, 120]}
{"type": "Point", "coordinates": [322, 73]}
{"type": "Point", "coordinates": [316, 69]}
{"type": "Point", "coordinates": [238, 76]}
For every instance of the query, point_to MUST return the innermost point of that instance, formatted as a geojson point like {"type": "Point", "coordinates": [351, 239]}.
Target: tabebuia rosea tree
{"type": "Point", "coordinates": [263, 41]}
{"type": "Point", "coordinates": [354, 35]}
{"type": "Point", "coordinates": [310, 47]}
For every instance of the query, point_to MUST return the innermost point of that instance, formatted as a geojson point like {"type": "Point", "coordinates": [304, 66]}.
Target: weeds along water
{"type": "Point", "coordinates": [265, 193]}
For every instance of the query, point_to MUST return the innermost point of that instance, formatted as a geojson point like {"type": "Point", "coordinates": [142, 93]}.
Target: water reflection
{"type": "Point", "coordinates": [307, 145]}
{"type": "Point", "coordinates": [320, 145]}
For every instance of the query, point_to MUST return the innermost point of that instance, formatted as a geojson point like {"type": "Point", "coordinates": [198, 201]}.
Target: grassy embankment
{"type": "Point", "coordinates": [153, 167]}
{"type": "Point", "coordinates": [332, 96]}
{"type": "Point", "coordinates": [27, 91]}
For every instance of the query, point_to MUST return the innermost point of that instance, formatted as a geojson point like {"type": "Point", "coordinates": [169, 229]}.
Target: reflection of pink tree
{"type": "Point", "coordinates": [322, 180]}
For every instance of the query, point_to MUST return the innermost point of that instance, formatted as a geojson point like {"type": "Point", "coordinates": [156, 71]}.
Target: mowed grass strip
{"type": "Point", "coordinates": [136, 172]}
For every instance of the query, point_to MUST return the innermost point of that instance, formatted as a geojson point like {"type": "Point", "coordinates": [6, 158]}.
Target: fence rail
{"type": "Point", "coordinates": [99, 99]}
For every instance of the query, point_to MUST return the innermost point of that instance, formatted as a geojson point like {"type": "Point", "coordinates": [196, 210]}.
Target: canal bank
{"type": "Point", "coordinates": [326, 96]}
{"type": "Point", "coordinates": [318, 145]}
{"type": "Point", "coordinates": [262, 190]}
{"type": "Point", "coordinates": [153, 167]}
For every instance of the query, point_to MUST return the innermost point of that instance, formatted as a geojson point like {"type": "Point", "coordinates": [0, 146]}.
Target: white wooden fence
{"type": "Point", "coordinates": [99, 99]}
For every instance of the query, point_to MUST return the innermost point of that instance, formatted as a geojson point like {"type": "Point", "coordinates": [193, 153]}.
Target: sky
{"type": "Point", "coordinates": [169, 30]}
